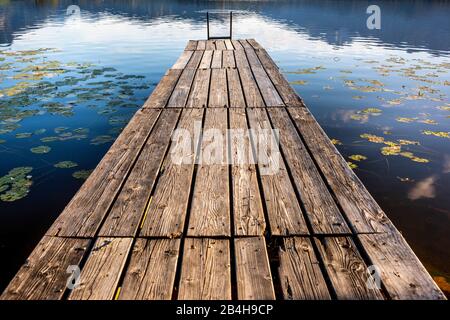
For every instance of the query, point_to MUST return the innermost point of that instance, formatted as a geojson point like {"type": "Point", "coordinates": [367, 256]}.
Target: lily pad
{"type": "Point", "coordinates": [357, 157]}
{"type": "Point", "coordinates": [16, 184]}
{"type": "Point", "coordinates": [441, 134]}
{"type": "Point", "coordinates": [41, 149]}
{"type": "Point", "coordinates": [82, 174]}
{"type": "Point", "coordinates": [66, 165]}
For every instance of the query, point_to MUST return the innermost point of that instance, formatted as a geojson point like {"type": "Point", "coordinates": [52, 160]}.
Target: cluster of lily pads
{"type": "Point", "coordinates": [34, 84]}
{"type": "Point", "coordinates": [425, 77]}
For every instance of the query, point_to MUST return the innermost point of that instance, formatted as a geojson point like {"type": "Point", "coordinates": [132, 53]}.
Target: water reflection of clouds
{"type": "Point", "coordinates": [424, 189]}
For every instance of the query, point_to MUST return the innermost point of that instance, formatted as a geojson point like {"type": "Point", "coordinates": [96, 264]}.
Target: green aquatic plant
{"type": "Point", "coordinates": [299, 82]}
{"type": "Point", "coordinates": [357, 157]}
{"type": "Point", "coordinates": [66, 164]}
{"type": "Point", "coordinates": [41, 149]}
{"type": "Point", "coordinates": [15, 184]}
{"type": "Point", "coordinates": [102, 139]}
{"type": "Point", "coordinates": [440, 134]}
{"type": "Point", "coordinates": [82, 174]}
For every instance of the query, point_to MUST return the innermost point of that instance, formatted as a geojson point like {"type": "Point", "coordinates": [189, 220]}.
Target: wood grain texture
{"type": "Point", "coordinates": [248, 212]}
{"type": "Point", "coordinates": [299, 271]}
{"type": "Point", "coordinates": [218, 92]}
{"type": "Point", "coordinates": [162, 92]}
{"type": "Point", "coordinates": [151, 272]}
{"type": "Point", "coordinates": [181, 92]}
{"type": "Point", "coordinates": [229, 44]}
{"type": "Point", "coordinates": [220, 45]}
{"type": "Point", "coordinates": [183, 60]}
{"type": "Point", "coordinates": [210, 209]}
{"type": "Point", "coordinates": [191, 45]}
{"type": "Point", "coordinates": [228, 59]}
{"type": "Point", "coordinates": [254, 280]}
{"type": "Point", "coordinates": [205, 270]}
{"type": "Point", "coordinates": [101, 273]}
{"type": "Point", "coordinates": [346, 269]}
{"type": "Point", "coordinates": [201, 45]}
{"type": "Point", "coordinates": [237, 46]}
{"type": "Point", "coordinates": [241, 59]}
{"type": "Point", "coordinates": [44, 275]}
{"type": "Point", "coordinates": [284, 212]}
{"type": "Point", "coordinates": [166, 213]}
{"type": "Point", "coordinates": [235, 89]}
{"type": "Point", "coordinates": [250, 88]}
{"type": "Point", "coordinates": [254, 44]}
{"type": "Point", "coordinates": [211, 45]}
{"type": "Point", "coordinates": [198, 97]}
{"type": "Point", "coordinates": [363, 213]}
{"type": "Point", "coordinates": [129, 206]}
{"type": "Point", "coordinates": [401, 272]}
{"type": "Point", "coordinates": [216, 59]}
{"type": "Point", "coordinates": [205, 63]}
{"type": "Point", "coordinates": [85, 212]}
{"type": "Point", "coordinates": [195, 60]}
{"type": "Point", "coordinates": [323, 213]}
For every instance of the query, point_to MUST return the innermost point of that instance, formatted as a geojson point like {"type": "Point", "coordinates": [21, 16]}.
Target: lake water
{"type": "Point", "coordinates": [69, 84]}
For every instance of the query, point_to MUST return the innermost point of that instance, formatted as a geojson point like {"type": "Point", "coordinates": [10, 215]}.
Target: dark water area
{"type": "Point", "coordinates": [70, 82]}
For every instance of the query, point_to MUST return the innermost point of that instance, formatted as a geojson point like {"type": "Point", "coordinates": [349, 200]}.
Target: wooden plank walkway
{"type": "Point", "coordinates": [166, 216]}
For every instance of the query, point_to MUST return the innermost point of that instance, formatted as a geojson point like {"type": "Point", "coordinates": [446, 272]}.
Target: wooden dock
{"type": "Point", "coordinates": [146, 227]}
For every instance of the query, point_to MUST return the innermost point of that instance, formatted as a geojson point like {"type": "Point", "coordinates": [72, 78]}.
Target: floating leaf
{"type": "Point", "coordinates": [16, 184]}
{"type": "Point", "coordinates": [441, 134]}
{"type": "Point", "coordinates": [66, 165]}
{"type": "Point", "coordinates": [357, 157]}
{"type": "Point", "coordinates": [336, 142]}
{"type": "Point", "coordinates": [299, 82]}
{"type": "Point", "coordinates": [408, 142]}
{"type": "Point", "coordinates": [41, 149]}
{"type": "Point", "coordinates": [405, 120]}
{"type": "Point", "coordinates": [357, 97]}
{"type": "Point", "coordinates": [23, 135]}
{"type": "Point", "coordinates": [101, 140]}
{"type": "Point", "coordinates": [82, 174]}
{"type": "Point", "coordinates": [352, 165]}
{"type": "Point", "coordinates": [372, 138]}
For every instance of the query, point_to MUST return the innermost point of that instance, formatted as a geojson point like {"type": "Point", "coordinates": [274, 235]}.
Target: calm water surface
{"type": "Point", "coordinates": [70, 83]}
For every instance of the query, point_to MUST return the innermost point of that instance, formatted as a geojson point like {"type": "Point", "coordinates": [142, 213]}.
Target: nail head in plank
{"type": "Point", "coordinates": [85, 212]}
{"type": "Point", "coordinates": [168, 207]}
{"type": "Point", "coordinates": [128, 209]}
{"type": "Point", "coordinates": [401, 272]}
{"type": "Point", "coordinates": [247, 204]}
{"type": "Point", "coordinates": [283, 210]}
{"type": "Point", "coordinates": [218, 95]}
{"type": "Point", "coordinates": [323, 213]}
{"type": "Point", "coordinates": [346, 269]}
{"type": "Point", "coordinates": [101, 273]}
{"type": "Point", "coordinates": [299, 271]}
{"type": "Point", "coordinates": [363, 213]}
{"type": "Point", "coordinates": [151, 272]}
{"type": "Point", "coordinates": [210, 209]}
{"type": "Point", "coordinates": [205, 270]}
{"type": "Point", "coordinates": [44, 275]}
{"type": "Point", "coordinates": [183, 60]}
{"type": "Point", "coordinates": [254, 280]}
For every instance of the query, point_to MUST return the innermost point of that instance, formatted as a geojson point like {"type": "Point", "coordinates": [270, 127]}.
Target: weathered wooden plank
{"type": "Point", "coordinates": [363, 213]}
{"type": "Point", "coordinates": [198, 98]}
{"type": "Point", "coordinates": [183, 60]}
{"type": "Point", "coordinates": [235, 89]}
{"type": "Point", "coordinates": [129, 207]}
{"type": "Point", "coordinates": [181, 92]}
{"type": "Point", "coordinates": [284, 211]}
{"type": "Point", "coordinates": [44, 275]}
{"type": "Point", "coordinates": [191, 45]}
{"type": "Point", "coordinates": [220, 45]}
{"type": "Point", "coordinates": [167, 210]}
{"type": "Point", "coordinates": [299, 271]}
{"type": "Point", "coordinates": [401, 272]}
{"type": "Point", "coordinates": [205, 270]}
{"type": "Point", "coordinates": [201, 45]}
{"type": "Point", "coordinates": [268, 91]}
{"type": "Point", "coordinates": [245, 44]}
{"type": "Point", "coordinates": [290, 97]}
{"type": "Point", "coordinates": [254, 280]}
{"type": "Point", "coordinates": [151, 272]}
{"type": "Point", "coordinates": [254, 44]}
{"type": "Point", "coordinates": [217, 59]}
{"type": "Point", "coordinates": [84, 213]}
{"type": "Point", "coordinates": [218, 95]}
{"type": "Point", "coordinates": [162, 92]}
{"type": "Point", "coordinates": [236, 44]}
{"type": "Point", "coordinates": [251, 91]}
{"type": "Point", "coordinates": [101, 273]}
{"type": "Point", "coordinates": [229, 44]}
{"type": "Point", "coordinates": [206, 60]}
{"type": "Point", "coordinates": [241, 59]}
{"type": "Point", "coordinates": [346, 269]}
{"type": "Point", "coordinates": [247, 204]}
{"type": "Point", "coordinates": [210, 45]}
{"type": "Point", "coordinates": [266, 59]}
{"type": "Point", "coordinates": [210, 210]}
{"type": "Point", "coordinates": [323, 213]}
{"type": "Point", "coordinates": [195, 60]}
{"type": "Point", "coordinates": [228, 59]}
